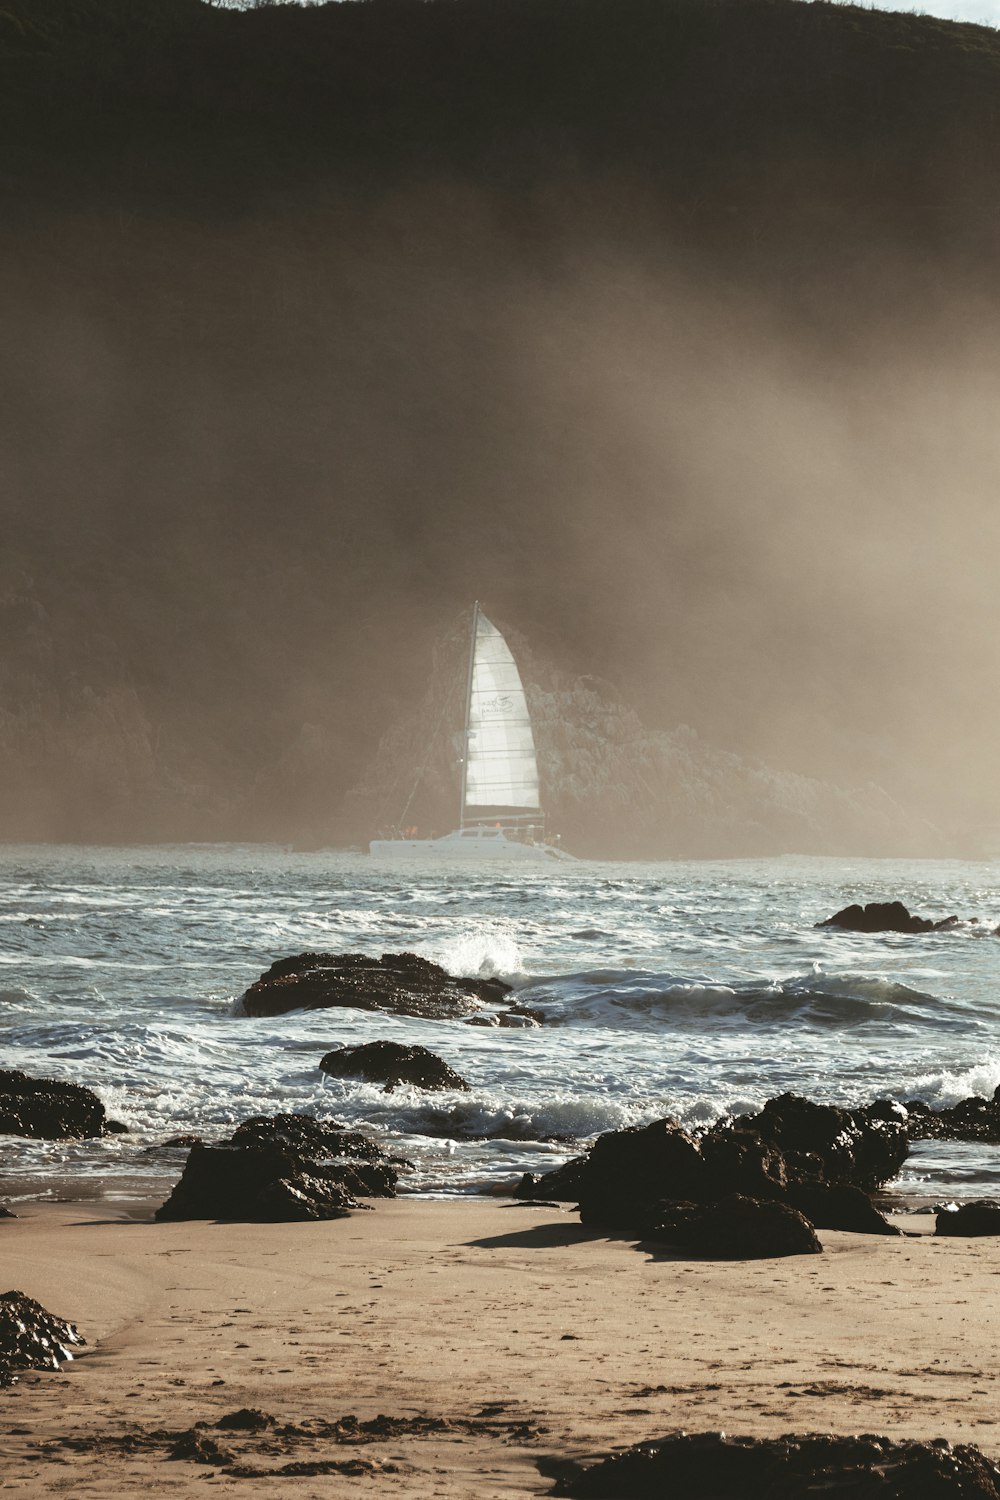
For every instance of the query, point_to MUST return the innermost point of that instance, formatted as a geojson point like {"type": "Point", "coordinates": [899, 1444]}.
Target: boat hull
{"type": "Point", "coordinates": [474, 844]}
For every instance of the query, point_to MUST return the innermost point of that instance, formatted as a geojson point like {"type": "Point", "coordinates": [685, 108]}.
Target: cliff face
{"type": "Point", "coordinates": [621, 790]}
{"type": "Point", "coordinates": [668, 329]}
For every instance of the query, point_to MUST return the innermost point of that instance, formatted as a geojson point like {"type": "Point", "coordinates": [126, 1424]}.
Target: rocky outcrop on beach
{"type": "Point", "coordinates": [977, 1218]}
{"type": "Point", "coordinates": [737, 1228]}
{"type": "Point", "coordinates": [813, 1159]}
{"type": "Point", "coordinates": [31, 1338]}
{"type": "Point", "coordinates": [886, 916]}
{"type": "Point", "coordinates": [402, 984]}
{"type": "Point", "coordinates": [821, 1143]}
{"type": "Point", "coordinates": [281, 1168]}
{"type": "Point", "coordinates": [838, 1206]}
{"type": "Point", "coordinates": [319, 1140]}
{"type": "Point", "coordinates": [392, 1064]}
{"type": "Point", "coordinates": [50, 1109]}
{"type": "Point", "coordinates": [256, 1184]}
{"type": "Point", "coordinates": [712, 1466]}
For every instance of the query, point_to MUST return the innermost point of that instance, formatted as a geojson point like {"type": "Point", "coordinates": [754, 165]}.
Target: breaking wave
{"type": "Point", "coordinates": [650, 1001]}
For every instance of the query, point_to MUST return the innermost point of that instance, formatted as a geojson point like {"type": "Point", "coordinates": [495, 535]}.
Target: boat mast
{"type": "Point", "coordinates": [468, 712]}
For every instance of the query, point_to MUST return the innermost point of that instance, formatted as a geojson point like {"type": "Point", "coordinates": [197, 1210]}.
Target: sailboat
{"type": "Point", "coordinates": [500, 814]}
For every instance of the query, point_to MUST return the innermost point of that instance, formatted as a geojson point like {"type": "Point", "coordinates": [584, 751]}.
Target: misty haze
{"type": "Point", "coordinates": [500, 871]}
{"type": "Point", "coordinates": [677, 348]}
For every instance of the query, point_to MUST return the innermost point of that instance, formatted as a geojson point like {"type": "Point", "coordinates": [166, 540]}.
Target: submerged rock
{"type": "Point", "coordinates": [281, 1168]}
{"type": "Point", "coordinates": [885, 916]}
{"type": "Point", "coordinates": [49, 1109]}
{"type": "Point", "coordinates": [980, 1217]}
{"type": "Point", "coordinates": [711, 1466]}
{"type": "Point", "coordinates": [400, 983]}
{"type": "Point", "coordinates": [391, 1063]}
{"type": "Point", "coordinates": [31, 1338]}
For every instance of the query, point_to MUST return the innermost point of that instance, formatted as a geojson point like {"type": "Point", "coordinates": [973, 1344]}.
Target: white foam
{"type": "Point", "coordinates": [487, 951]}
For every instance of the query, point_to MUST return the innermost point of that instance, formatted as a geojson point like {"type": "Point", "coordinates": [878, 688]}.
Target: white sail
{"type": "Point", "coordinates": [501, 770]}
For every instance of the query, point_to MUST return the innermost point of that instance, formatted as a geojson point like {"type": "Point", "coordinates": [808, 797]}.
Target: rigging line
{"type": "Point", "coordinates": [432, 740]}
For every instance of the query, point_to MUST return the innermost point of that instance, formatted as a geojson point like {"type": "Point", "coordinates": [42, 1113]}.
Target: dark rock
{"type": "Point", "coordinates": [972, 1119]}
{"type": "Point", "coordinates": [838, 1206]}
{"type": "Point", "coordinates": [886, 1109]}
{"type": "Point", "coordinates": [306, 1136]}
{"type": "Point", "coordinates": [981, 1217]}
{"type": "Point", "coordinates": [31, 1338]}
{"type": "Point", "coordinates": [282, 1168]}
{"type": "Point", "coordinates": [6, 1213]}
{"type": "Point", "coordinates": [792, 1151]}
{"type": "Point", "coordinates": [400, 983]}
{"type": "Point", "coordinates": [49, 1109]}
{"type": "Point", "coordinates": [711, 1466]}
{"type": "Point", "coordinates": [740, 1161]}
{"type": "Point", "coordinates": [737, 1229]}
{"type": "Point", "coordinates": [302, 1196]}
{"type": "Point", "coordinates": [323, 1148]}
{"type": "Point", "coordinates": [562, 1185]}
{"type": "Point", "coordinates": [885, 916]}
{"type": "Point", "coordinates": [391, 1063]}
{"type": "Point", "coordinates": [254, 1183]}
{"type": "Point", "coordinates": [247, 1419]}
{"type": "Point", "coordinates": [199, 1448]}
{"type": "Point", "coordinates": [628, 1173]}
{"type": "Point", "coordinates": [837, 1145]}
{"type": "Point", "coordinates": [175, 1143]}
{"type": "Point", "coordinates": [520, 1016]}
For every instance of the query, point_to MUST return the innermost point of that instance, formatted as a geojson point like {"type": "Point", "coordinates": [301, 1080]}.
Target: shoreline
{"type": "Point", "coordinates": [22, 1191]}
{"type": "Point", "coordinates": [534, 1339]}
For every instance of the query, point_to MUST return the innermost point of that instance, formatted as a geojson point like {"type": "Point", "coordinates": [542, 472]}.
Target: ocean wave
{"type": "Point", "coordinates": [489, 952]}
{"type": "Point", "coordinates": [17, 999]}
{"type": "Point", "coordinates": [557, 1120]}
{"type": "Point", "coordinates": [644, 1000]}
{"type": "Point", "coordinates": [941, 1089]}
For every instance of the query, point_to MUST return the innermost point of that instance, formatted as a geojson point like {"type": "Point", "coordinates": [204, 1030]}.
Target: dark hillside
{"type": "Point", "coordinates": [666, 327]}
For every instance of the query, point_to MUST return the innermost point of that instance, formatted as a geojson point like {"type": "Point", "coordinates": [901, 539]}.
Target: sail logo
{"type": "Point", "coordinates": [500, 703]}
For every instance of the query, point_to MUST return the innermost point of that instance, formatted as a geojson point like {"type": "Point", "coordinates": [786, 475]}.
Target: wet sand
{"type": "Point", "coordinates": [533, 1339]}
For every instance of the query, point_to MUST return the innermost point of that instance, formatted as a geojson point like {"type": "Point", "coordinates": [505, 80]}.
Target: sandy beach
{"type": "Point", "coordinates": [532, 1339]}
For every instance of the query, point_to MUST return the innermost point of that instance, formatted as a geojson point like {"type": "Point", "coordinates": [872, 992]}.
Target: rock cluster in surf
{"type": "Point", "coordinates": [401, 984]}
{"type": "Point", "coordinates": [889, 916]}
{"type": "Point", "coordinates": [815, 1161]}
{"type": "Point", "coordinates": [972, 1119]}
{"type": "Point", "coordinates": [50, 1109]}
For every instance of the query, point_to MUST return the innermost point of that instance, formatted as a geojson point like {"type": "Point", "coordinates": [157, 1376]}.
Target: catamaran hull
{"type": "Point", "coordinates": [462, 847]}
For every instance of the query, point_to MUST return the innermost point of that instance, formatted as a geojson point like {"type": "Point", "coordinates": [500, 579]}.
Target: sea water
{"type": "Point", "coordinates": [693, 989]}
